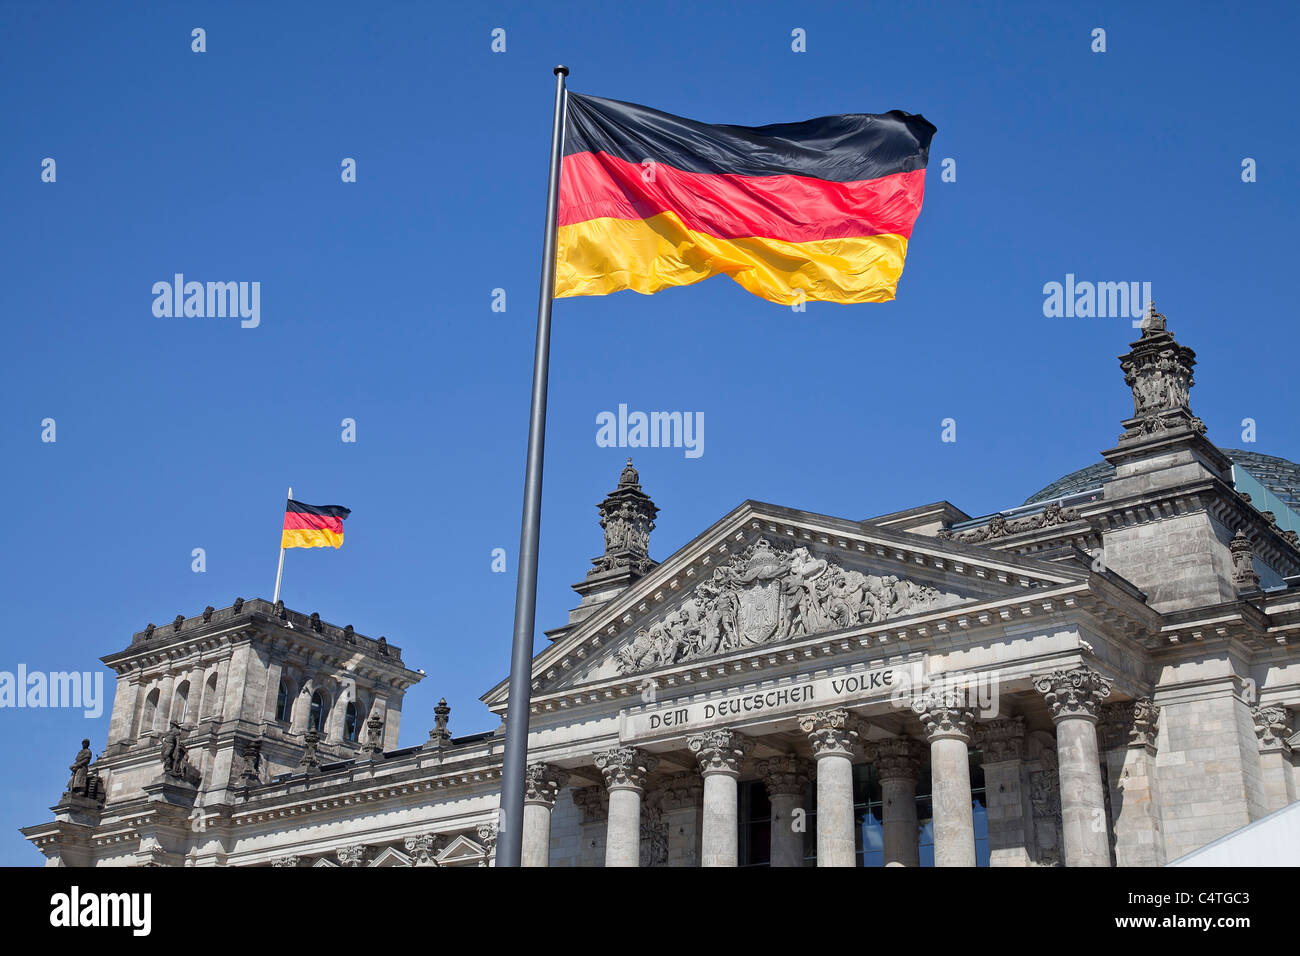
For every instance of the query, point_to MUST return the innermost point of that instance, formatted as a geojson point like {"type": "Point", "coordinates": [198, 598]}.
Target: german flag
{"type": "Point", "coordinates": [313, 526]}
{"type": "Point", "coordinates": [819, 210]}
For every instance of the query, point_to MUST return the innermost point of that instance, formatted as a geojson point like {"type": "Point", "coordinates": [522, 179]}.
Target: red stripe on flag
{"type": "Point", "coordinates": [790, 208]}
{"type": "Point", "coordinates": [294, 520]}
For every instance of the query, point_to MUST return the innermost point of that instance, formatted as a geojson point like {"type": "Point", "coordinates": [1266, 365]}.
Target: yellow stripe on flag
{"type": "Point", "coordinates": [600, 256]}
{"type": "Point", "coordinates": [310, 538]}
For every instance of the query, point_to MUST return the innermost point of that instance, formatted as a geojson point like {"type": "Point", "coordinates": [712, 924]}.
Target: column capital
{"type": "Point", "coordinates": [423, 848]}
{"type": "Point", "coordinates": [593, 802]}
{"type": "Point", "coordinates": [944, 716]}
{"type": "Point", "coordinates": [1001, 739]}
{"type": "Point", "coordinates": [898, 758]}
{"type": "Point", "coordinates": [626, 768]}
{"type": "Point", "coordinates": [1127, 723]}
{"type": "Point", "coordinates": [1073, 693]}
{"type": "Point", "coordinates": [786, 775]}
{"type": "Point", "coordinates": [487, 836]}
{"type": "Point", "coordinates": [543, 783]}
{"type": "Point", "coordinates": [682, 791]}
{"type": "Point", "coordinates": [354, 854]}
{"type": "Point", "coordinates": [720, 750]}
{"type": "Point", "coordinates": [832, 732]}
{"type": "Point", "coordinates": [1272, 727]}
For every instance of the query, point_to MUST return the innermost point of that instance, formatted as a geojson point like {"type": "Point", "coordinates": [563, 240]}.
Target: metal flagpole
{"type": "Point", "coordinates": [279, 572]}
{"type": "Point", "coordinates": [510, 836]}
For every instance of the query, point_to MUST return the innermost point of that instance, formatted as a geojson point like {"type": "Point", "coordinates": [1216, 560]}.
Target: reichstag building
{"type": "Point", "coordinates": [1106, 675]}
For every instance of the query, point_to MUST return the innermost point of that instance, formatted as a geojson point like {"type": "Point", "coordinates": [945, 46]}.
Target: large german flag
{"type": "Point", "coordinates": [819, 210]}
{"type": "Point", "coordinates": [313, 526]}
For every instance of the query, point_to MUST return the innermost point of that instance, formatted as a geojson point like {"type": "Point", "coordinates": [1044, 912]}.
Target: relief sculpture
{"type": "Point", "coordinates": [765, 595]}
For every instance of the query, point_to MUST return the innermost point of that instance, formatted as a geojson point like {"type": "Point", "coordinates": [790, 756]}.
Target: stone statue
{"type": "Point", "coordinates": [175, 759]}
{"type": "Point", "coordinates": [80, 784]}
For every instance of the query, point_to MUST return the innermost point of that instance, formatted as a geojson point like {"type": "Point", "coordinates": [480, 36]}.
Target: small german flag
{"type": "Point", "coordinates": [818, 210]}
{"type": "Point", "coordinates": [313, 526]}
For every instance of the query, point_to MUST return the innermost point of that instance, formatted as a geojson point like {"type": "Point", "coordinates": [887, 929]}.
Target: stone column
{"type": "Point", "coordinates": [1073, 697]}
{"type": "Point", "coordinates": [682, 806]}
{"type": "Point", "coordinates": [834, 736]}
{"type": "Point", "coordinates": [1003, 743]}
{"type": "Point", "coordinates": [625, 770]}
{"type": "Point", "coordinates": [1272, 728]}
{"type": "Point", "coordinates": [720, 753]}
{"type": "Point", "coordinates": [947, 725]}
{"type": "Point", "coordinates": [786, 780]}
{"type": "Point", "coordinates": [1126, 731]}
{"type": "Point", "coordinates": [542, 784]}
{"type": "Point", "coordinates": [897, 762]}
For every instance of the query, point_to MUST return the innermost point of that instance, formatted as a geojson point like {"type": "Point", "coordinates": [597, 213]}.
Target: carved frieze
{"type": "Point", "coordinates": [765, 595]}
{"type": "Point", "coordinates": [1000, 527]}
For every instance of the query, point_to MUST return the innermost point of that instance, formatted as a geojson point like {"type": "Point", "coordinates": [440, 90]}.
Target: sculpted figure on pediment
{"type": "Point", "coordinates": [764, 595]}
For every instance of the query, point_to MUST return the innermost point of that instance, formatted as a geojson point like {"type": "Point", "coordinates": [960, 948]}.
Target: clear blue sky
{"type": "Point", "coordinates": [177, 433]}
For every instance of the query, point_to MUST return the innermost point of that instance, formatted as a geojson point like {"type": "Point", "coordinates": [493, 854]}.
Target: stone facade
{"type": "Point", "coordinates": [1095, 680]}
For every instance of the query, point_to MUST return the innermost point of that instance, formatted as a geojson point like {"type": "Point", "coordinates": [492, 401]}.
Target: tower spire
{"type": "Point", "coordinates": [627, 516]}
{"type": "Point", "coordinates": [1159, 371]}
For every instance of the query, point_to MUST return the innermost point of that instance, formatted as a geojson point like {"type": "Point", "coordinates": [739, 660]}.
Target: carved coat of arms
{"type": "Point", "coordinates": [764, 595]}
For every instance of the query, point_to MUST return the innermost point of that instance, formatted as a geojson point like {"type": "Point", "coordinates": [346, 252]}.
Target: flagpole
{"type": "Point", "coordinates": [279, 572]}
{"type": "Point", "coordinates": [510, 836]}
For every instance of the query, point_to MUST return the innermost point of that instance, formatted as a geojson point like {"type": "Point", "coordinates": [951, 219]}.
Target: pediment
{"type": "Point", "coordinates": [760, 579]}
{"type": "Point", "coordinates": [390, 857]}
{"type": "Point", "coordinates": [462, 851]}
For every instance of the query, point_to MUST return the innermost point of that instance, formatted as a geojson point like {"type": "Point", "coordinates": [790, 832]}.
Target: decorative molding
{"type": "Point", "coordinates": [1244, 577]}
{"type": "Point", "coordinates": [1128, 723]}
{"type": "Point", "coordinates": [682, 791]}
{"type": "Point", "coordinates": [832, 732]}
{"type": "Point", "coordinates": [543, 783]}
{"type": "Point", "coordinates": [1074, 693]}
{"type": "Point", "coordinates": [944, 716]}
{"type": "Point", "coordinates": [1000, 527]}
{"type": "Point", "coordinates": [424, 848]}
{"type": "Point", "coordinates": [626, 768]}
{"type": "Point", "coordinates": [1001, 739]}
{"type": "Point", "coordinates": [898, 758]}
{"type": "Point", "coordinates": [1272, 727]}
{"type": "Point", "coordinates": [592, 803]}
{"type": "Point", "coordinates": [720, 750]}
{"type": "Point", "coordinates": [786, 775]}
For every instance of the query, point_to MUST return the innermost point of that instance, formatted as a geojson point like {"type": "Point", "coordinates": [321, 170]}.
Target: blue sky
{"type": "Point", "coordinates": [176, 433]}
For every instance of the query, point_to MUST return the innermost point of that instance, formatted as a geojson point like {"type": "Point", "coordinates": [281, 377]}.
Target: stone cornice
{"type": "Point", "coordinates": [956, 626]}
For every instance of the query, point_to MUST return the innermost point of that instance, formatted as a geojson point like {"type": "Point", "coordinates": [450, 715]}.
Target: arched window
{"type": "Point", "coordinates": [179, 701]}
{"type": "Point", "coordinates": [316, 716]}
{"type": "Point", "coordinates": [211, 707]}
{"type": "Point", "coordinates": [283, 702]}
{"type": "Point", "coordinates": [148, 711]}
{"type": "Point", "coordinates": [350, 723]}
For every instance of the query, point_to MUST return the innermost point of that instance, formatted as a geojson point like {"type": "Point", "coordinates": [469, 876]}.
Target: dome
{"type": "Point", "coordinates": [1278, 475]}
